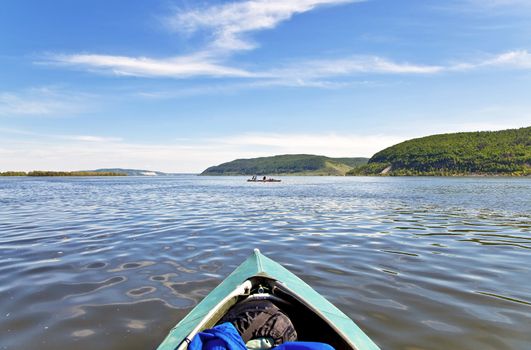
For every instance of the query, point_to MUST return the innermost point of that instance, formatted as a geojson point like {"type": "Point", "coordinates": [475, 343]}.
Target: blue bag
{"type": "Point", "coordinates": [221, 337]}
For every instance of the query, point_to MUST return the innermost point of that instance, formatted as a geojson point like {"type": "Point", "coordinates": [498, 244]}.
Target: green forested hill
{"type": "Point", "coordinates": [290, 164]}
{"type": "Point", "coordinates": [488, 152]}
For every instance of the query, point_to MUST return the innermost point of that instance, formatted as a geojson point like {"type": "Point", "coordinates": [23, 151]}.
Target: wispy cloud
{"type": "Point", "coordinates": [355, 65]}
{"type": "Point", "coordinates": [40, 102]}
{"type": "Point", "coordinates": [520, 59]}
{"type": "Point", "coordinates": [78, 138]}
{"type": "Point", "coordinates": [499, 3]}
{"type": "Point", "coordinates": [89, 138]}
{"type": "Point", "coordinates": [486, 7]}
{"type": "Point", "coordinates": [74, 152]}
{"type": "Point", "coordinates": [331, 144]}
{"type": "Point", "coordinates": [358, 65]}
{"type": "Point", "coordinates": [229, 23]}
{"type": "Point", "coordinates": [175, 67]}
{"type": "Point", "coordinates": [292, 74]}
{"type": "Point", "coordinates": [229, 27]}
{"type": "Point", "coordinates": [308, 73]}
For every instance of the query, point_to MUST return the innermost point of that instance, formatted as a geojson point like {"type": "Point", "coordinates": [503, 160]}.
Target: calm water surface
{"type": "Point", "coordinates": [114, 263]}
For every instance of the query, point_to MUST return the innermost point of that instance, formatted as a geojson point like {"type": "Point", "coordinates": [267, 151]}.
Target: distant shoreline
{"type": "Point", "coordinates": [376, 175]}
{"type": "Point", "coordinates": [284, 175]}
{"type": "Point", "coordinates": [58, 173]}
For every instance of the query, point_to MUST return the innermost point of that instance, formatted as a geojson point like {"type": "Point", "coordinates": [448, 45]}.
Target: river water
{"type": "Point", "coordinates": [114, 263]}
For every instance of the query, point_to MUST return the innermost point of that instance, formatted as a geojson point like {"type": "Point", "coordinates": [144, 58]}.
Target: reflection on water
{"type": "Point", "coordinates": [114, 263]}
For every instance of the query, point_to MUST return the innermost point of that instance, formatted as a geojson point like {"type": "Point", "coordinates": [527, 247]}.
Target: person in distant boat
{"type": "Point", "coordinates": [264, 178]}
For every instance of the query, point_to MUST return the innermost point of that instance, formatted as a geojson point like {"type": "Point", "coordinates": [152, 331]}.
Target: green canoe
{"type": "Point", "coordinates": [315, 318]}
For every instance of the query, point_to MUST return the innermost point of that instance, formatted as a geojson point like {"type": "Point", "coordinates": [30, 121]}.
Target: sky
{"type": "Point", "coordinates": [181, 85]}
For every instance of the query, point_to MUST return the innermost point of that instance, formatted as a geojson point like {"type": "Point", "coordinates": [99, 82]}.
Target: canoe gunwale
{"type": "Point", "coordinates": [240, 290]}
{"type": "Point", "coordinates": [316, 311]}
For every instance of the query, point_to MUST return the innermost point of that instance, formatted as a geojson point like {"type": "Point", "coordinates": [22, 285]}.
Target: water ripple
{"type": "Point", "coordinates": [116, 262]}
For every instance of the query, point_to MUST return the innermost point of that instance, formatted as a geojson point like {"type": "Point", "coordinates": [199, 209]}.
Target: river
{"type": "Point", "coordinates": [115, 262]}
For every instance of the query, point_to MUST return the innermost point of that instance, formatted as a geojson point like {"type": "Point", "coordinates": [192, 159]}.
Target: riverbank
{"type": "Point", "coordinates": [60, 173]}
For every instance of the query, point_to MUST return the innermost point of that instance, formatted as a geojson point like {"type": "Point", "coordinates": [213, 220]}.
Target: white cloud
{"type": "Point", "coordinates": [329, 144]}
{"type": "Point", "coordinates": [61, 152]}
{"type": "Point", "coordinates": [89, 138]}
{"type": "Point", "coordinates": [487, 7]}
{"type": "Point", "coordinates": [230, 26]}
{"type": "Point", "coordinates": [307, 73]}
{"type": "Point", "coordinates": [79, 152]}
{"type": "Point", "coordinates": [344, 67]}
{"type": "Point", "coordinates": [230, 22]}
{"type": "Point", "coordinates": [520, 59]}
{"type": "Point", "coordinates": [40, 102]}
{"type": "Point", "coordinates": [499, 3]}
{"type": "Point", "coordinates": [356, 65]}
{"type": "Point", "coordinates": [175, 67]}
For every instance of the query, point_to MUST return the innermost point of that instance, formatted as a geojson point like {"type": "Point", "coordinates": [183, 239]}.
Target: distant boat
{"type": "Point", "coordinates": [262, 180]}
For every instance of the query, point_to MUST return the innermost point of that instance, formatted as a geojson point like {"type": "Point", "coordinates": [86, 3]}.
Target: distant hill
{"type": "Point", "coordinates": [97, 172]}
{"type": "Point", "coordinates": [47, 173]}
{"type": "Point", "coordinates": [289, 164]}
{"type": "Point", "coordinates": [131, 172]}
{"type": "Point", "coordinates": [506, 152]}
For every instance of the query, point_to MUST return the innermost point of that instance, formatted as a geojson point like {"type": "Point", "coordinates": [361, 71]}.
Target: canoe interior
{"type": "Point", "coordinates": [309, 325]}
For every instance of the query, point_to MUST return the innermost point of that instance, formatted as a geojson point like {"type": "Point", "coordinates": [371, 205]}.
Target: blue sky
{"type": "Point", "coordinates": [182, 85]}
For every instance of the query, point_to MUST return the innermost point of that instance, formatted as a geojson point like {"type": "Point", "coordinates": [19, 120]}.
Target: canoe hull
{"type": "Point", "coordinates": [259, 266]}
{"type": "Point", "coordinates": [264, 180]}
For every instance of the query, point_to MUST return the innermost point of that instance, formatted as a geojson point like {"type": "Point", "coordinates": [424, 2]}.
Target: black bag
{"type": "Point", "coordinates": [261, 319]}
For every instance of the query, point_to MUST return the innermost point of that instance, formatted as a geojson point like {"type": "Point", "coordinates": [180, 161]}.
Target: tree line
{"type": "Point", "coordinates": [60, 173]}
{"type": "Point", "coordinates": [506, 152]}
